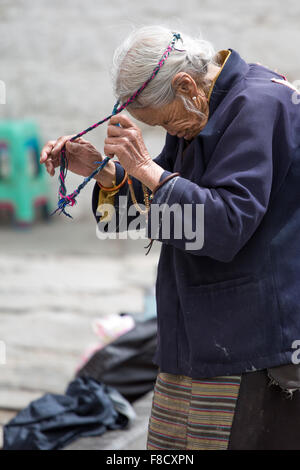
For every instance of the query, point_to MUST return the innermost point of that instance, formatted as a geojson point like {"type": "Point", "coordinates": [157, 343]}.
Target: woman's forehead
{"type": "Point", "coordinates": [150, 116]}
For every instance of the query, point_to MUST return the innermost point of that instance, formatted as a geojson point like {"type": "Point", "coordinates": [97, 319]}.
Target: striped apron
{"type": "Point", "coordinates": [192, 414]}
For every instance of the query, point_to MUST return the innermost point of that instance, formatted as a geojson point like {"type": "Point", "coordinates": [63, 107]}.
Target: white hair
{"type": "Point", "coordinates": [135, 59]}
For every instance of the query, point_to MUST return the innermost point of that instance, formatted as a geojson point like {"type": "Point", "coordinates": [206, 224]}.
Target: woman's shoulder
{"type": "Point", "coordinates": [263, 94]}
{"type": "Point", "coordinates": [263, 85]}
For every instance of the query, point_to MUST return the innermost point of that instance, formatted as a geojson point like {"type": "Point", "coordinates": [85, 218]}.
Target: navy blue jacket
{"type": "Point", "coordinates": [233, 305]}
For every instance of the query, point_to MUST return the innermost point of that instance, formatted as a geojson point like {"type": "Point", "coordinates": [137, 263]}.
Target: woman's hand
{"type": "Point", "coordinates": [128, 145]}
{"type": "Point", "coordinates": [81, 156]}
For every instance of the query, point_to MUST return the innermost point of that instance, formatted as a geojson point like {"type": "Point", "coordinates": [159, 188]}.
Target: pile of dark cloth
{"type": "Point", "coordinates": [88, 408]}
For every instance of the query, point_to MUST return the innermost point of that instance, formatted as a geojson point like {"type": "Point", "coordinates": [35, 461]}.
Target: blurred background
{"type": "Point", "coordinates": [56, 277]}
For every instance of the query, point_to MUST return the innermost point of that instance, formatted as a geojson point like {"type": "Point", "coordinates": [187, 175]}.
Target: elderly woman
{"type": "Point", "coordinates": [228, 305]}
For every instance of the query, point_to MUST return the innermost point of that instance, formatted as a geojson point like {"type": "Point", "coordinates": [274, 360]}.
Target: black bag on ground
{"type": "Point", "coordinates": [126, 363]}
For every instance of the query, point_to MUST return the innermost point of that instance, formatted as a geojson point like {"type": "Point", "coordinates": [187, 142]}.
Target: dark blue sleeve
{"type": "Point", "coordinates": [219, 216]}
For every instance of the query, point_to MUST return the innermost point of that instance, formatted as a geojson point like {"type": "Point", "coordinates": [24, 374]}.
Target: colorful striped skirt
{"type": "Point", "coordinates": [192, 414]}
{"type": "Point", "coordinates": [254, 411]}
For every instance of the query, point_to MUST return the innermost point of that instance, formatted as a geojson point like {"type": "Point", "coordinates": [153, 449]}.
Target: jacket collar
{"type": "Point", "coordinates": [233, 69]}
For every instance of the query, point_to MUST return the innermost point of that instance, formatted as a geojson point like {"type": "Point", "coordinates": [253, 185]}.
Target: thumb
{"type": "Point", "coordinates": [72, 147]}
{"type": "Point", "coordinates": [80, 140]}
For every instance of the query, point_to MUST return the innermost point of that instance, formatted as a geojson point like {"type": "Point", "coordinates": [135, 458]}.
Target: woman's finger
{"type": "Point", "coordinates": [55, 161]}
{"type": "Point", "coordinates": [46, 150]}
{"type": "Point", "coordinates": [60, 143]}
{"type": "Point", "coordinates": [80, 140]}
{"type": "Point", "coordinates": [125, 121]}
{"type": "Point", "coordinates": [112, 149]}
{"type": "Point", "coordinates": [72, 147]}
{"type": "Point", "coordinates": [115, 131]}
{"type": "Point", "coordinates": [49, 167]}
{"type": "Point", "coordinates": [123, 140]}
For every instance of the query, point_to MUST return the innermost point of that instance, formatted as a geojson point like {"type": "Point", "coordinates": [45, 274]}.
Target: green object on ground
{"type": "Point", "coordinates": [23, 181]}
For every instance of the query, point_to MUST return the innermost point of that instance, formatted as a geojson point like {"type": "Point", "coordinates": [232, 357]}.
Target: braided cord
{"type": "Point", "coordinates": [70, 199]}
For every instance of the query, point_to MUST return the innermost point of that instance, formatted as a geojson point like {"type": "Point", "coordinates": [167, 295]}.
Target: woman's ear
{"type": "Point", "coordinates": [184, 84]}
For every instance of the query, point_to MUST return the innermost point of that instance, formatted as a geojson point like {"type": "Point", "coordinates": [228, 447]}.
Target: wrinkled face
{"type": "Point", "coordinates": [174, 118]}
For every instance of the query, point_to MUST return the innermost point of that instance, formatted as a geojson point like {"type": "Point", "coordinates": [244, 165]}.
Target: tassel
{"type": "Point", "coordinates": [149, 246]}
